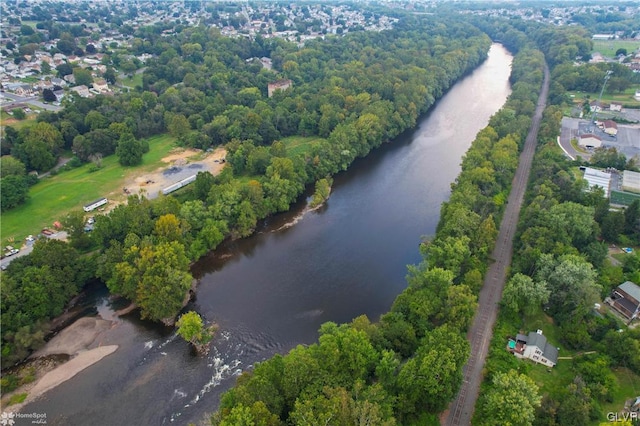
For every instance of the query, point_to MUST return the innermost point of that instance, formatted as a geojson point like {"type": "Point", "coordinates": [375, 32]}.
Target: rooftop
{"type": "Point", "coordinates": [631, 289]}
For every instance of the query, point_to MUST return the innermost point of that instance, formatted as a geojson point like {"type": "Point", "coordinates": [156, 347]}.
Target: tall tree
{"type": "Point", "coordinates": [512, 400]}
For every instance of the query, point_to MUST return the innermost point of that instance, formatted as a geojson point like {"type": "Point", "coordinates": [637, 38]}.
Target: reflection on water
{"type": "Point", "coordinates": [272, 291]}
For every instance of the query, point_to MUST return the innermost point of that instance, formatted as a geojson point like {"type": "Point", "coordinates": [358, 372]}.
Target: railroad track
{"type": "Point", "coordinates": [461, 409]}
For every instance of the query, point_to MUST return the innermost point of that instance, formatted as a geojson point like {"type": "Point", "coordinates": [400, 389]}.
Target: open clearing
{"type": "Point", "coordinates": [54, 197]}
{"type": "Point", "coordinates": [608, 48]}
{"type": "Point", "coordinates": [300, 144]}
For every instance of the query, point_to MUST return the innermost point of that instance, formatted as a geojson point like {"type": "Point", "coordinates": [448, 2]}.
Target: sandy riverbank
{"type": "Point", "coordinates": [77, 341]}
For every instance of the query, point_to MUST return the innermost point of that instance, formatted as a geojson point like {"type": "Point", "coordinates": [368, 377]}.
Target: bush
{"type": "Point", "coordinates": [9, 383]}
{"type": "Point", "coordinates": [74, 162]}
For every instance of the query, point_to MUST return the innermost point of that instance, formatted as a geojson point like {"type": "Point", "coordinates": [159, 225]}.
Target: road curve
{"type": "Point", "coordinates": [461, 409]}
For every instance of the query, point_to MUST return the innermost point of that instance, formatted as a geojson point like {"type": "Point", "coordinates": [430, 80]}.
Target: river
{"type": "Point", "coordinates": [272, 291]}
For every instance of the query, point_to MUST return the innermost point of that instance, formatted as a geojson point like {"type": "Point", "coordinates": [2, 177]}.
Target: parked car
{"type": "Point", "coordinates": [10, 251]}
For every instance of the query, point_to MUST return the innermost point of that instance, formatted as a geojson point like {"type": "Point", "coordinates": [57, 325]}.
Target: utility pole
{"type": "Point", "coordinates": [607, 76]}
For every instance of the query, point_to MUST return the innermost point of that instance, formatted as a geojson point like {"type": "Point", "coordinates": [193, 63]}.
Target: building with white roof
{"type": "Point", "coordinates": [599, 178]}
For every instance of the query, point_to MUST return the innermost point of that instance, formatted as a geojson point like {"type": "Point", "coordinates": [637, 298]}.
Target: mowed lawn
{"type": "Point", "coordinates": [609, 48]}
{"type": "Point", "coordinates": [626, 97]}
{"type": "Point", "coordinates": [55, 196]}
{"type": "Point", "coordinates": [300, 144]}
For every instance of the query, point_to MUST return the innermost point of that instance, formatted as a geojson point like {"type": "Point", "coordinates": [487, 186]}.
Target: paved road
{"type": "Point", "coordinates": [9, 99]}
{"type": "Point", "coordinates": [461, 409]}
{"type": "Point", "coordinates": [28, 247]}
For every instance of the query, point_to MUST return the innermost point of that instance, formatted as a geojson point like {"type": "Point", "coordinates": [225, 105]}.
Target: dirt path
{"type": "Point", "coordinates": [461, 409]}
{"type": "Point", "coordinates": [181, 164]}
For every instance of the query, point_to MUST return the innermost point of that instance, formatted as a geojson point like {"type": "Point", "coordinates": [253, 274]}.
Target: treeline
{"type": "Point", "coordinates": [406, 368]}
{"type": "Point", "coordinates": [36, 288]}
{"type": "Point", "coordinates": [341, 88]}
{"type": "Point", "coordinates": [202, 88]}
{"type": "Point", "coordinates": [560, 264]}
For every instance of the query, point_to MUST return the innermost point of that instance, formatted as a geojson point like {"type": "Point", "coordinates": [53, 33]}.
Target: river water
{"type": "Point", "coordinates": [272, 291]}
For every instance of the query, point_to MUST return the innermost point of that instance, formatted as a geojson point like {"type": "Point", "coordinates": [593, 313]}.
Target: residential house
{"type": "Point", "coordinates": [610, 127]}
{"type": "Point", "coordinates": [82, 91]}
{"type": "Point", "coordinates": [24, 90]}
{"type": "Point", "coordinates": [590, 140]}
{"type": "Point", "coordinates": [59, 95]}
{"type": "Point", "coordinates": [594, 106]}
{"type": "Point", "coordinates": [101, 85]}
{"type": "Point", "coordinates": [615, 106]}
{"type": "Point", "coordinates": [626, 299]}
{"type": "Point", "coordinates": [534, 347]}
{"type": "Point", "coordinates": [58, 82]}
{"type": "Point", "coordinates": [278, 85]}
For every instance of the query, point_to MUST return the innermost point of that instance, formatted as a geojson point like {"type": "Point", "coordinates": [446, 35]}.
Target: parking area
{"type": "Point", "coordinates": [627, 140]}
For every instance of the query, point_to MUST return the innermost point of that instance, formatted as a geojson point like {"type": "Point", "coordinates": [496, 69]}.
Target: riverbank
{"type": "Point", "coordinates": [48, 364]}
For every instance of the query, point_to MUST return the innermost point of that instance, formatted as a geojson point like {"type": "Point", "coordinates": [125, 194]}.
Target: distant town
{"type": "Point", "coordinates": [49, 51]}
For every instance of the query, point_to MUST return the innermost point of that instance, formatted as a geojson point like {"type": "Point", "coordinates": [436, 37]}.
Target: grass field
{"type": "Point", "coordinates": [608, 48]}
{"type": "Point", "coordinates": [626, 97]}
{"type": "Point", "coordinates": [300, 144]}
{"type": "Point", "coordinates": [132, 82]}
{"type": "Point", "coordinates": [628, 387]}
{"type": "Point", "coordinates": [55, 196]}
{"type": "Point", "coordinates": [8, 120]}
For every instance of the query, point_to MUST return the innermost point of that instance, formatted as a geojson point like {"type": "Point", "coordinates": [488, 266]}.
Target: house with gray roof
{"type": "Point", "coordinates": [626, 299]}
{"type": "Point", "coordinates": [535, 347]}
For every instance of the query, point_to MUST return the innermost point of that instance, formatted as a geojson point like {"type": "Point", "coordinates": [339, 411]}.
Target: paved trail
{"type": "Point", "coordinates": [461, 409]}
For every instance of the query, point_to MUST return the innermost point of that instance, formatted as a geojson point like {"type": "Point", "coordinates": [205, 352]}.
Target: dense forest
{"type": "Point", "coordinates": [355, 92]}
{"type": "Point", "coordinates": [408, 366]}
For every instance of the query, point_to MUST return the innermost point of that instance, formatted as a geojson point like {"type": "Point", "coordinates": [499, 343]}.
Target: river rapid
{"type": "Point", "coordinates": [271, 291]}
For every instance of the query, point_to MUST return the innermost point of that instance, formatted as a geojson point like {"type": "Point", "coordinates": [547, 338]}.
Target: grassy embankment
{"type": "Point", "coordinates": [53, 197]}
{"type": "Point", "coordinates": [608, 48]}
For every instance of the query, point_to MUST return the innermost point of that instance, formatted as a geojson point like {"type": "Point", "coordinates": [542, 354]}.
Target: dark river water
{"type": "Point", "coordinates": [272, 291]}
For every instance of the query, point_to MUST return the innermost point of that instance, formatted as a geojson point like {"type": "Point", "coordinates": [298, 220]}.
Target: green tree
{"type": "Point", "coordinates": [168, 228]}
{"type": "Point", "coordinates": [83, 77]}
{"type": "Point", "coordinates": [191, 328]}
{"type": "Point", "coordinates": [11, 166]}
{"type": "Point", "coordinates": [523, 294]}
{"type": "Point", "coordinates": [322, 192]}
{"type": "Point", "coordinates": [19, 114]}
{"type": "Point", "coordinates": [571, 282]}
{"type": "Point", "coordinates": [14, 191]}
{"type": "Point", "coordinates": [48, 95]}
{"type": "Point", "coordinates": [164, 280]}
{"type": "Point", "coordinates": [178, 126]}
{"type": "Point", "coordinates": [129, 150]}
{"type": "Point", "coordinates": [74, 224]}
{"type": "Point", "coordinates": [511, 400]}
{"type": "Point", "coordinates": [432, 377]}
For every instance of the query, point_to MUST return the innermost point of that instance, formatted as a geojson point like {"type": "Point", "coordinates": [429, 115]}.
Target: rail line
{"type": "Point", "coordinates": [461, 410]}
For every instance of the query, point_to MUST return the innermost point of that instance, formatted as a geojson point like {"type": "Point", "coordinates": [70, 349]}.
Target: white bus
{"type": "Point", "coordinates": [95, 204]}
